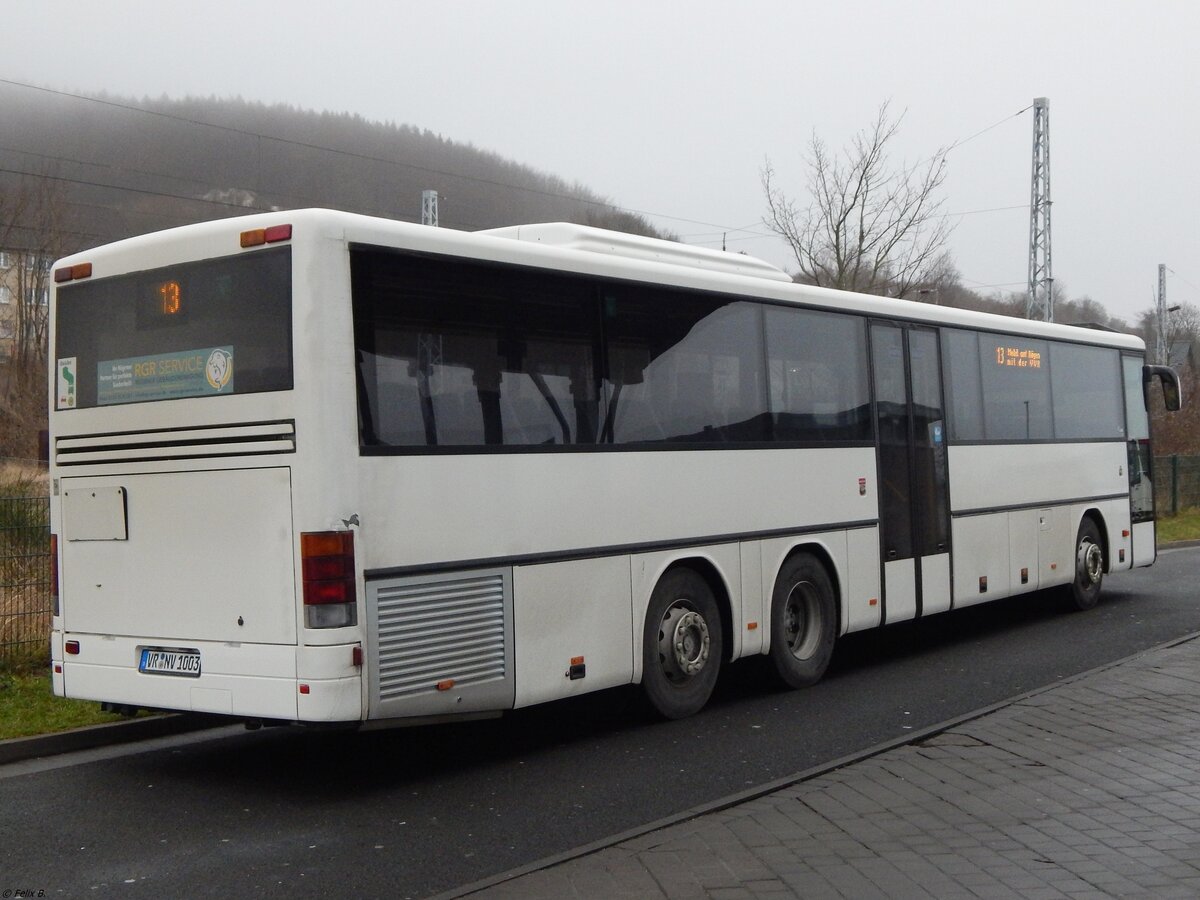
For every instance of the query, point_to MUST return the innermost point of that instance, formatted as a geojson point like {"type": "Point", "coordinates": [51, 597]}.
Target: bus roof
{"type": "Point", "coordinates": [574, 248]}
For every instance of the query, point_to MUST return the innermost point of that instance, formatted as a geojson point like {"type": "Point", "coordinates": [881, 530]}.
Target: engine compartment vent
{"type": "Point", "coordinates": [441, 644]}
{"type": "Point", "coordinates": [251, 439]}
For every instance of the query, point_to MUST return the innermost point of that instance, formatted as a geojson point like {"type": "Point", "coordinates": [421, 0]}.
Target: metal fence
{"type": "Point", "coordinates": [1176, 484]}
{"type": "Point", "coordinates": [24, 578]}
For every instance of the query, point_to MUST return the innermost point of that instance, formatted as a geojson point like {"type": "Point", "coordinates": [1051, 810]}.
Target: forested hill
{"type": "Point", "coordinates": [122, 167]}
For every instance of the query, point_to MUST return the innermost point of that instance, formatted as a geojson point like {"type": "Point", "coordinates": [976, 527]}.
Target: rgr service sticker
{"type": "Point", "coordinates": [66, 383]}
{"type": "Point", "coordinates": [165, 376]}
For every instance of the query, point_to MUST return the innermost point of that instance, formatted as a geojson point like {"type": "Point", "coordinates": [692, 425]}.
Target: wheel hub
{"type": "Point", "coordinates": [802, 625]}
{"type": "Point", "coordinates": [683, 642]}
{"type": "Point", "coordinates": [1091, 562]}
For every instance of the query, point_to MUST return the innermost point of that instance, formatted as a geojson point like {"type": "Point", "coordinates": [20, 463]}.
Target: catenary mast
{"type": "Point", "coordinates": [1039, 302]}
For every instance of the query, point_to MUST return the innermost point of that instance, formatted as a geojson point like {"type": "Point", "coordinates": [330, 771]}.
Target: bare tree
{"type": "Point", "coordinates": [31, 236]}
{"type": "Point", "coordinates": [870, 227]}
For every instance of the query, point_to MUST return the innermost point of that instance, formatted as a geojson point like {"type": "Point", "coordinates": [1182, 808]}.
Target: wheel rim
{"type": "Point", "coordinates": [802, 620]}
{"type": "Point", "coordinates": [683, 642]}
{"type": "Point", "coordinates": [1090, 562]}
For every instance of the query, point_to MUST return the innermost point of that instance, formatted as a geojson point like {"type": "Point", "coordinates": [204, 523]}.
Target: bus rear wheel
{"type": "Point", "coordinates": [1089, 567]}
{"type": "Point", "coordinates": [682, 645]}
{"type": "Point", "coordinates": [803, 621]}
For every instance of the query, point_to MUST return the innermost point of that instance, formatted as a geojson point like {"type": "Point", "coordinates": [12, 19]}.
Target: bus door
{"type": "Point", "coordinates": [914, 508]}
{"type": "Point", "coordinates": [1141, 461]}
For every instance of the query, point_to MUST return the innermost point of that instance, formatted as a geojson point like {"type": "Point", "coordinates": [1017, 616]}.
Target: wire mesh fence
{"type": "Point", "coordinates": [25, 570]}
{"type": "Point", "coordinates": [1176, 484]}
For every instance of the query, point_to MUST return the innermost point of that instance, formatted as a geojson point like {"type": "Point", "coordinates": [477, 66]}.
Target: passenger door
{"type": "Point", "coordinates": [1141, 463]}
{"type": "Point", "coordinates": [914, 508]}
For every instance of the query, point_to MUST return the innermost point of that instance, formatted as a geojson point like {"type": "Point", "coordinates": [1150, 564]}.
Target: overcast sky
{"type": "Point", "coordinates": [670, 109]}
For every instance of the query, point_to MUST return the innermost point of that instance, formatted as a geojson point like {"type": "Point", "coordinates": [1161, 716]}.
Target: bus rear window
{"type": "Point", "coordinates": [203, 329]}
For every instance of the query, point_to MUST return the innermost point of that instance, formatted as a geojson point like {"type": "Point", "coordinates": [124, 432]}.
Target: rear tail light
{"type": "Point", "coordinates": [54, 574]}
{"type": "Point", "coordinates": [327, 560]}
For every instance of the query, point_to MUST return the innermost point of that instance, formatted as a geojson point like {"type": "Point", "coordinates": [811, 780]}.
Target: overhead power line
{"type": "Point", "coordinates": [426, 170]}
{"type": "Point", "coordinates": [719, 229]}
{"type": "Point", "coordinates": [1181, 278]}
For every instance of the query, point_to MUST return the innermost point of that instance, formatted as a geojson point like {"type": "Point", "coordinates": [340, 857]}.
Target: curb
{"type": "Point", "coordinates": [91, 736]}
{"type": "Point", "coordinates": [787, 781]}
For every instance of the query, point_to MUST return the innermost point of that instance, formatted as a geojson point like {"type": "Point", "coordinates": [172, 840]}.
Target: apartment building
{"type": "Point", "coordinates": [23, 300]}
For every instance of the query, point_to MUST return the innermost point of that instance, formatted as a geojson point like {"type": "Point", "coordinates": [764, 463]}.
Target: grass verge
{"type": "Point", "coordinates": [28, 707]}
{"type": "Point", "coordinates": [1182, 527]}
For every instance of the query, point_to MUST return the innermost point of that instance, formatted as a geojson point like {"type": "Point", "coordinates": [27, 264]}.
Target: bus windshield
{"type": "Point", "coordinates": [208, 328]}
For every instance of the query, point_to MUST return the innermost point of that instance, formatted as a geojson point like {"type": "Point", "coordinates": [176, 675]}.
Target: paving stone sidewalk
{"type": "Point", "coordinates": [1088, 789]}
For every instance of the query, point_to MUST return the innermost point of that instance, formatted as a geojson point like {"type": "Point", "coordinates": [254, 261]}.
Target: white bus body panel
{"type": "Point", "coordinates": [579, 608]}
{"type": "Point", "coordinates": [208, 556]}
{"type": "Point", "coordinates": [936, 592]}
{"type": "Point", "coordinates": [248, 680]}
{"type": "Point", "coordinates": [241, 679]}
{"type": "Point", "coordinates": [1145, 549]}
{"type": "Point", "coordinates": [900, 601]}
{"type": "Point", "coordinates": [506, 505]}
{"type": "Point", "coordinates": [991, 476]}
{"type": "Point", "coordinates": [1051, 487]}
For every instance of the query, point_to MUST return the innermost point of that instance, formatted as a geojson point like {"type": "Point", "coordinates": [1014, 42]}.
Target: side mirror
{"type": "Point", "coordinates": [1172, 392]}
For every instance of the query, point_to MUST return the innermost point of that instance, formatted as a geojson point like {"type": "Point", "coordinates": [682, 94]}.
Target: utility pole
{"type": "Point", "coordinates": [1160, 348]}
{"type": "Point", "coordinates": [429, 213]}
{"type": "Point", "coordinates": [1039, 302]}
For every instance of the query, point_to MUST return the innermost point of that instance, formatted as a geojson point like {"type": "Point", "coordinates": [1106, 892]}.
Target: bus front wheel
{"type": "Point", "coordinates": [803, 621]}
{"type": "Point", "coordinates": [682, 645]}
{"type": "Point", "coordinates": [1089, 567]}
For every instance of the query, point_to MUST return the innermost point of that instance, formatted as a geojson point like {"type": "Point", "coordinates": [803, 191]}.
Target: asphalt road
{"type": "Point", "coordinates": [412, 812]}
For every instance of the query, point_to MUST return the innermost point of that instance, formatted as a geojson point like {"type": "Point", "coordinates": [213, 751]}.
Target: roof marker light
{"type": "Point", "coordinates": [71, 273]}
{"type": "Point", "coordinates": [256, 237]}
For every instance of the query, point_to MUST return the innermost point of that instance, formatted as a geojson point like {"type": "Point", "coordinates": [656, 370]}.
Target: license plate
{"type": "Point", "coordinates": [170, 662]}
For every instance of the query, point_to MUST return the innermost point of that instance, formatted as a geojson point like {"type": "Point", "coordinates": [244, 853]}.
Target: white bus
{"type": "Point", "coordinates": [318, 467]}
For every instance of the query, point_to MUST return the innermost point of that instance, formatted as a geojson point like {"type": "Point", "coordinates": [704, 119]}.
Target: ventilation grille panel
{"type": "Point", "coordinates": [435, 631]}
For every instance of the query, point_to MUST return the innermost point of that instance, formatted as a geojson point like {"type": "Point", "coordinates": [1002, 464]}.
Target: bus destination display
{"type": "Point", "coordinates": [1017, 358]}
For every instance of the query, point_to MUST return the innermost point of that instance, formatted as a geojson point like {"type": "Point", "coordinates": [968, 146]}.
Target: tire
{"type": "Point", "coordinates": [682, 645]}
{"type": "Point", "coordinates": [1089, 567]}
{"type": "Point", "coordinates": [803, 621]}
